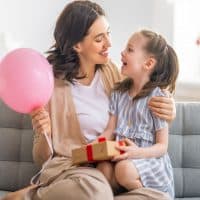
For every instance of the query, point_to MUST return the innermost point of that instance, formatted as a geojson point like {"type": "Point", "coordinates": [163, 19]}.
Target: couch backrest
{"type": "Point", "coordinates": [16, 135]}
{"type": "Point", "coordinates": [184, 149]}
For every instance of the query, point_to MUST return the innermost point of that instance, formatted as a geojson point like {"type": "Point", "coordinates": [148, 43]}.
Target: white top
{"type": "Point", "coordinates": [91, 104]}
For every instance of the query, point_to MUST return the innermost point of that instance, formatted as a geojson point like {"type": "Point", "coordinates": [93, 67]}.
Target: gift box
{"type": "Point", "coordinates": [103, 150]}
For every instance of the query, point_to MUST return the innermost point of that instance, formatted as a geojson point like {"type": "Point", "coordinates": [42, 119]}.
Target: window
{"type": "Point", "coordinates": [186, 31]}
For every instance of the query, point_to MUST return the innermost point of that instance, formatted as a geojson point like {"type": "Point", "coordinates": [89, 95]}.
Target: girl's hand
{"type": "Point", "coordinates": [41, 121]}
{"type": "Point", "coordinates": [163, 107]}
{"type": "Point", "coordinates": [130, 151]}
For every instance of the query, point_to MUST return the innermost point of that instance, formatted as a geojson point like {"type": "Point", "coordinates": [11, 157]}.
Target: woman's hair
{"type": "Point", "coordinates": [71, 27]}
{"type": "Point", "coordinates": [165, 71]}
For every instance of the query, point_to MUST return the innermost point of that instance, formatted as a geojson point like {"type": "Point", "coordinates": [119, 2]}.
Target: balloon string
{"type": "Point", "coordinates": [34, 179]}
{"type": "Point", "coordinates": [49, 142]}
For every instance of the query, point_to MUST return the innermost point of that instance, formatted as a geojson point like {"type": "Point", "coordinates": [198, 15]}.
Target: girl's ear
{"type": "Point", "coordinates": [77, 47]}
{"type": "Point", "coordinates": [150, 63]}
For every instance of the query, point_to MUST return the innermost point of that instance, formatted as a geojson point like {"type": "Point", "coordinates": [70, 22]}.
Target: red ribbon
{"type": "Point", "coordinates": [102, 139]}
{"type": "Point", "coordinates": [89, 152]}
{"type": "Point", "coordinates": [89, 149]}
{"type": "Point", "coordinates": [121, 143]}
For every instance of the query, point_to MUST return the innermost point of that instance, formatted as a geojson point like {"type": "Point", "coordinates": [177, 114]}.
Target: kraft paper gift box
{"type": "Point", "coordinates": [103, 150]}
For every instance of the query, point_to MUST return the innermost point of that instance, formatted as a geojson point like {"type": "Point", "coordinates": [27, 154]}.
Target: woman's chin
{"type": "Point", "coordinates": [103, 61]}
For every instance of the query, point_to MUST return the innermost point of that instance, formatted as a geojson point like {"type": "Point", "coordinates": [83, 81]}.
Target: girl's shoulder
{"type": "Point", "coordinates": [157, 92]}
{"type": "Point", "coordinates": [116, 94]}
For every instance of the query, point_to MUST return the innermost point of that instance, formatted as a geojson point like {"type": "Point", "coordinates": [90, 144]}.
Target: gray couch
{"type": "Point", "coordinates": [16, 166]}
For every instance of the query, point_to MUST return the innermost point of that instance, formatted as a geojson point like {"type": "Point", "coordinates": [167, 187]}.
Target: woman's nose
{"type": "Point", "coordinates": [108, 41]}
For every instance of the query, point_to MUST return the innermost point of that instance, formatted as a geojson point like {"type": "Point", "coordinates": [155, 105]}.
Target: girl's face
{"type": "Point", "coordinates": [94, 47]}
{"type": "Point", "coordinates": [134, 57]}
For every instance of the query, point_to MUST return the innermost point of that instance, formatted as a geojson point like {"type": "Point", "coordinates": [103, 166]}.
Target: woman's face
{"type": "Point", "coordinates": [94, 48]}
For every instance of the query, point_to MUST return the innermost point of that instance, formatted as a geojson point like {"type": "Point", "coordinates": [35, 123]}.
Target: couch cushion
{"type": "Point", "coordinates": [184, 149]}
{"type": "Point", "coordinates": [2, 193]}
{"type": "Point", "coordinates": [16, 136]}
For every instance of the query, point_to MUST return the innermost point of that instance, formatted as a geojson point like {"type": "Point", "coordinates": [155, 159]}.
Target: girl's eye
{"type": "Point", "coordinates": [130, 49]}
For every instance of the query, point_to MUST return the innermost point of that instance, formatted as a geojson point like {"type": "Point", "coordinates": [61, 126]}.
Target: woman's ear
{"type": "Point", "coordinates": [77, 47]}
{"type": "Point", "coordinates": [150, 63]}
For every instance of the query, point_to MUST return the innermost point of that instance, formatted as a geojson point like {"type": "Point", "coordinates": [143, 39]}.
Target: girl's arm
{"type": "Point", "coordinates": [156, 150]}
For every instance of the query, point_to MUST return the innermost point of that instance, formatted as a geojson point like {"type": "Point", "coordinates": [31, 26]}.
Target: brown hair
{"type": "Point", "coordinates": [165, 70]}
{"type": "Point", "coordinates": [71, 27]}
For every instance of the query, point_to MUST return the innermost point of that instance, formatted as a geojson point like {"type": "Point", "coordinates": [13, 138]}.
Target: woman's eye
{"type": "Point", "coordinates": [99, 39]}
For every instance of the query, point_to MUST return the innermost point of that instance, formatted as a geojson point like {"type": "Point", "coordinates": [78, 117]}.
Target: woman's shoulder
{"type": "Point", "coordinates": [61, 87]}
{"type": "Point", "coordinates": [58, 82]}
{"type": "Point", "coordinates": [110, 66]}
{"type": "Point", "coordinates": [109, 76]}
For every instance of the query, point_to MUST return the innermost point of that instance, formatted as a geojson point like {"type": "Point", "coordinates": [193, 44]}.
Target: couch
{"type": "Point", "coordinates": [17, 167]}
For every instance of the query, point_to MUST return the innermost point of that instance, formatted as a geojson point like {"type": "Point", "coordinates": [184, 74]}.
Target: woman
{"type": "Point", "coordinates": [77, 112]}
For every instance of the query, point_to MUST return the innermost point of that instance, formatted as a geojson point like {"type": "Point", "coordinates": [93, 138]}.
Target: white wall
{"type": "Point", "coordinates": [125, 17]}
{"type": "Point", "coordinates": [30, 23]}
{"type": "Point", "coordinates": [128, 16]}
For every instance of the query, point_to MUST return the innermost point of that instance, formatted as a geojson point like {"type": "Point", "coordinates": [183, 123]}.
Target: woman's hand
{"type": "Point", "coordinates": [163, 107]}
{"type": "Point", "coordinates": [130, 151]}
{"type": "Point", "coordinates": [41, 121]}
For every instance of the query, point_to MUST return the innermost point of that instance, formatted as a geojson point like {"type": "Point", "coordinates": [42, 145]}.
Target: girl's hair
{"type": "Point", "coordinates": [71, 27]}
{"type": "Point", "coordinates": [165, 71]}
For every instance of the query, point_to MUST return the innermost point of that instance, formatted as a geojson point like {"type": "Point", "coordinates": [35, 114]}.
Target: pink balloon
{"type": "Point", "coordinates": [26, 80]}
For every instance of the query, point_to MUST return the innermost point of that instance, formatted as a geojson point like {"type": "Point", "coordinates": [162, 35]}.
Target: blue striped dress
{"type": "Point", "coordinates": [136, 122]}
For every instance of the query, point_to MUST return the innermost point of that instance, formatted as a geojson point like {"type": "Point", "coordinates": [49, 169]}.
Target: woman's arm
{"type": "Point", "coordinates": [42, 128]}
{"type": "Point", "coordinates": [108, 132]}
{"type": "Point", "coordinates": [163, 107]}
{"type": "Point", "coordinates": [156, 150]}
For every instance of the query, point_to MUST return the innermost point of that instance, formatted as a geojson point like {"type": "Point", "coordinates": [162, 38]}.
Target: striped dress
{"type": "Point", "coordinates": [136, 122]}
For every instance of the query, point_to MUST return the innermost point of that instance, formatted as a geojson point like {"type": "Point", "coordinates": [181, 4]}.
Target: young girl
{"type": "Point", "coordinates": [150, 65]}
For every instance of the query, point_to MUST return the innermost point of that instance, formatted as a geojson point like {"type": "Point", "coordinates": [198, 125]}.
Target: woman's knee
{"type": "Point", "coordinates": [77, 186]}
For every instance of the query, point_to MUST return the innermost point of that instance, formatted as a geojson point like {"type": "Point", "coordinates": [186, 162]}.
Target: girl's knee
{"type": "Point", "coordinates": [120, 170]}
{"type": "Point", "coordinates": [121, 166]}
{"type": "Point", "coordinates": [125, 172]}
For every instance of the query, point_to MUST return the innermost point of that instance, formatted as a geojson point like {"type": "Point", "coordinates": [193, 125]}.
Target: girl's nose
{"type": "Point", "coordinates": [122, 53]}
